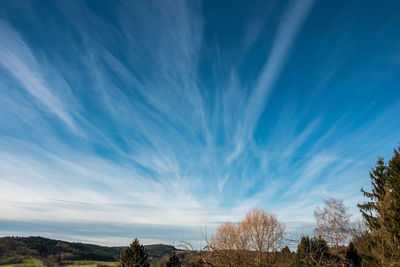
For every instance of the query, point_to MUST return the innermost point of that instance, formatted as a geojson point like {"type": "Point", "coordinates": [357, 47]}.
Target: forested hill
{"type": "Point", "coordinates": [43, 248]}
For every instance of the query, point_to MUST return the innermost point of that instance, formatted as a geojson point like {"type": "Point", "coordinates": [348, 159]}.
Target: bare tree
{"type": "Point", "coordinates": [264, 231]}
{"type": "Point", "coordinates": [226, 237]}
{"type": "Point", "coordinates": [196, 257]}
{"type": "Point", "coordinates": [248, 242]}
{"type": "Point", "coordinates": [333, 222]}
{"type": "Point", "coordinates": [229, 246]}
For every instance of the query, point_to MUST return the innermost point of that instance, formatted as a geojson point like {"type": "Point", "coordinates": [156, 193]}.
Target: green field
{"type": "Point", "coordinates": [31, 262]}
{"type": "Point", "coordinates": [92, 264]}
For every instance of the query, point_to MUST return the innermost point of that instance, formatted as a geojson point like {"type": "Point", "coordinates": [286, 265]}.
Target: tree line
{"type": "Point", "coordinates": [259, 239]}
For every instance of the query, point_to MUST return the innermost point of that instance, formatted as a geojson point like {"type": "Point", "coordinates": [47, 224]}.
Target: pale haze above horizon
{"type": "Point", "coordinates": [160, 119]}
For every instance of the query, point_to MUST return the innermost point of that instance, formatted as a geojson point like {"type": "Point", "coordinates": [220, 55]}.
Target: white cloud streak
{"type": "Point", "coordinates": [17, 58]}
{"type": "Point", "coordinates": [288, 29]}
{"type": "Point", "coordinates": [149, 140]}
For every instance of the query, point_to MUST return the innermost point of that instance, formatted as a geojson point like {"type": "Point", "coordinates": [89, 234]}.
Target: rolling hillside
{"type": "Point", "coordinates": [17, 249]}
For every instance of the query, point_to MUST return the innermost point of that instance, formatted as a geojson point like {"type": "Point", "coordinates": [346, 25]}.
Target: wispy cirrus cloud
{"type": "Point", "coordinates": [290, 25]}
{"type": "Point", "coordinates": [17, 58]}
{"type": "Point", "coordinates": [139, 112]}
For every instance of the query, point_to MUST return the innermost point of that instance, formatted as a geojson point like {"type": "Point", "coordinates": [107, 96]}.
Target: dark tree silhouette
{"type": "Point", "coordinates": [173, 261]}
{"type": "Point", "coordinates": [312, 252]}
{"type": "Point", "coordinates": [382, 213]}
{"type": "Point", "coordinates": [379, 185]}
{"type": "Point", "coordinates": [352, 256]}
{"type": "Point", "coordinates": [135, 256]}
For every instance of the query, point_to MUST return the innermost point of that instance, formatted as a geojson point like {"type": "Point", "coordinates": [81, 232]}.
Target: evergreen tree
{"type": "Point", "coordinates": [379, 184]}
{"type": "Point", "coordinates": [286, 251]}
{"type": "Point", "coordinates": [135, 256]}
{"type": "Point", "coordinates": [382, 214]}
{"type": "Point", "coordinates": [312, 252]}
{"type": "Point", "coordinates": [352, 256]}
{"type": "Point", "coordinates": [394, 187]}
{"type": "Point", "coordinates": [173, 261]}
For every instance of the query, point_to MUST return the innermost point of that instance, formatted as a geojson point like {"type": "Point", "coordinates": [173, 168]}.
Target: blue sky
{"type": "Point", "coordinates": [157, 118]}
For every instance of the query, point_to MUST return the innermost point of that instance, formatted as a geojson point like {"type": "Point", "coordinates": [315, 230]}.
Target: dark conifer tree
{"type": "Point", "coordinates": [135, 256]}
{"type": "Point", "coordinates": [286, 251]}
{"type": "Point", "coordinates": [394, 187]}
{"type": "Point", "coordinates": [312, 252]}
{"type": "Point", "coordinates": [173, 261]}
{"type": "Point", "coordinates": [382, 214]}
{"type": "Point", "coordinates": [352, 256]}
{"type": "Point", "coordinates": [379, 179]}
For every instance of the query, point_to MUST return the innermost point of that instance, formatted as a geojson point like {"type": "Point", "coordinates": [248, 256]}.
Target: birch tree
{"type": "Point", "coordinates": [333, 222]}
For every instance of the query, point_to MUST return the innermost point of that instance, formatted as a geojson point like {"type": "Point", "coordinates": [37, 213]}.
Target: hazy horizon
{"type": "Point", "coordinates": [155, 119]}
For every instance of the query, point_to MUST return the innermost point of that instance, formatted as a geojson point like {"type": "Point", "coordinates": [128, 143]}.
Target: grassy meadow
{"type": "Point", "coordinates": [28, 262]}
{"type": "Point", "coordinates": [33, 262]}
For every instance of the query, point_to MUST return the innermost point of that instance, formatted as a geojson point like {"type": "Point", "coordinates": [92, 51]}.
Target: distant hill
{"type": "Point", "coordinates": [13, 249]}
{"type": "Point", "coordinates": [159, 250]}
